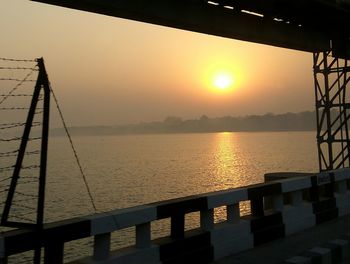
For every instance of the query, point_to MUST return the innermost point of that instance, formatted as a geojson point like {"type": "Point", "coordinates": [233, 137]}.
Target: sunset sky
{"type": "Point", "coordinates": [107, 70]}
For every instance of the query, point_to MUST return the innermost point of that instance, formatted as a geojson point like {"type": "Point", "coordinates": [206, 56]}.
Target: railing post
{"type": "Point", "coordinates": [54, 252]}
{"type": "Point", "coordinates": [342, 187]}
{"type": "Point", "coordinates": [177, 226]}
{"type": "Point", "coordinates": [257, 206]}
{"type": "Point", "coordinates": [207, 219]}
{"type": "Point", "coordinates": [102, 245]}
{"type": "Point", "coordinates": [296, 198]}
{"type": "Point", "coordinates": [277, 202]}
{"type": "Point", "coordinates": [3, 259]}
{"type": "Point", "coordinates": [233, 214]}
{"type": "Point", "coordinates": [143, 235]}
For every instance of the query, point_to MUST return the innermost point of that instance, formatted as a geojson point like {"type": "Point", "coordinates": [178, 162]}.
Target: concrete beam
{"type": "Point", "coordinates": [199, 16]}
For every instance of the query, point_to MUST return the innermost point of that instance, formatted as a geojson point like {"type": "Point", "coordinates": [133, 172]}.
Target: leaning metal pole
{"type": "Point", "coordinates": [332, 79]}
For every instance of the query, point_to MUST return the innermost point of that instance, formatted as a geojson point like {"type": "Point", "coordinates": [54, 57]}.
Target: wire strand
{"type": "Point", "coordinates": [18, 68]}
{"type": "Point", "coordinates": [16, 86]}
{"type": "Point", "coordinates": [16, 80]}
{"type": "Point", "coordinates": [16, 60]}
{"type": "Point", "coordinates": [74, 150]}
{"type": "Point", "coordinates": [10, 139]}
{"type": "Point", "coordinates": [16, 95]}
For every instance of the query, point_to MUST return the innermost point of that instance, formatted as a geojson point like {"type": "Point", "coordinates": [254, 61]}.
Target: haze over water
{"type": "Point", "coordinates": [109, 71]}
{"type": "Point", "coordinates": [130, 170]}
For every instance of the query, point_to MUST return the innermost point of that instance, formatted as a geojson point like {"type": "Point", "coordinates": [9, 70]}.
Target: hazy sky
{"type": "Point", "coordinates": [107, 70]}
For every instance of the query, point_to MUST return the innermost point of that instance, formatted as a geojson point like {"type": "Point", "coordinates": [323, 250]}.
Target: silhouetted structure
{"type": "Point", "coordinates": [332, 108]}
{"type": "Point", "coordinates": [24, 207]}
{"type": "Point", "coordinates": [42, 85]}
{"type": "Point", "coordinates": [313, 25]}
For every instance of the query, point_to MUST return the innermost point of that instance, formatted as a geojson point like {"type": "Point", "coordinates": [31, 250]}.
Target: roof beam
{"type": "Point", "coordinates": [199, 16]}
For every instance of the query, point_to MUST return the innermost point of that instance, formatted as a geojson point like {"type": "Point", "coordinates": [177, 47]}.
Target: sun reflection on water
{"type": "Point", "coordinates": [228, 160]}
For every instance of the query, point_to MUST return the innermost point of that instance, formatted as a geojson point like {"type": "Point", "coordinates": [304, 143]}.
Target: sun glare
{"type": "Point", "coordinates": [221, 78]}
{"type": "Point", "coordinates": [223, 81]}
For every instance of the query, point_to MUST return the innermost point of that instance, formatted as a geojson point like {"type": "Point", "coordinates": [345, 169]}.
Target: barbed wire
{"type": "Point", "coordinates": [34, 152]}
{"type": "Point", "coordinates": [19, 200]}
{"type": "Point", "coordinates": [7, 168]}
{"type": "Point", "coordinates": [17, 108]}
{"type": "Point", "coordinates": [13, 78]}
{"type": "Point", "coordinates": [18, 138]}
{"type": "Point", "coordinates": [23, 206]}
{"type": "Point", "coordinates": [18, 68]}
{"type": "Point", "coordinates": [17, 86]}
{"type": "Point", "coordinates": [16, 60]}
{"type": "Point", "coordinates": [26, 195]}
{"type": "Point", "coordinates": [8, 155]}
{"type": "Point", "coordinates": [28, 182]}
{"type": "Point", "coordinates": [10, 139]}
{"type": "Point", "coordinates": [31, 167]}
{"type": "Point", "coordinates": [8, 152]}
{"type": "Point", "coordinates": [16, 80]}
{"type": "Point", "coordinates": [21, 217]}
{"type": "Point", "coordinates": [15, 153]}
{"type": "Point", "coordinates": [6, 179]}
{"type": "Point", "coordinates": [14, 125]}
{"type": "Point", "coordinates": [16, 95]}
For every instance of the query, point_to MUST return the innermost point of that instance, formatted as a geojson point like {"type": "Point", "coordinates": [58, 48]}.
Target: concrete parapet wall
{"type": "Point", "coordinates": [278, 209]}
{"type": "Point", "coordinates": [331, 252]}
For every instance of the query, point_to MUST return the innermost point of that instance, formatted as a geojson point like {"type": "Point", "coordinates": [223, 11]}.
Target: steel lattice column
{"type": "Point", "coordinates": [331, 76]}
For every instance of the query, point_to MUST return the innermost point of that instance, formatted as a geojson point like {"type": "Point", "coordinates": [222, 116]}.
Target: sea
{"type": "Point", "coordinates": [119, 171]}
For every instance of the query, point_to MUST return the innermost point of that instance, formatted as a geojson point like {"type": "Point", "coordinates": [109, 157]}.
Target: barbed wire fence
{"type": "Point", "coordinates": [24, 110]}
{"type": "Point", "coordinates": [17, 78]}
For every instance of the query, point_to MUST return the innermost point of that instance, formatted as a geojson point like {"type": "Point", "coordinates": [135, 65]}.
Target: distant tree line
{"type": "Point", "coordinates": [303, 121]}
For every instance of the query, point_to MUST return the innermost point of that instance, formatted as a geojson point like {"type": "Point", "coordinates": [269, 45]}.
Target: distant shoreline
{"type": "Point", "coordinates": [288, 122]}
{"type": "Point", "coordinates": [54, 133]}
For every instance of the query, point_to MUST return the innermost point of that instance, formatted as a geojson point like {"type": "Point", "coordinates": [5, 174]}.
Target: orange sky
{"type": "Point", "coordinates": [107, 70]}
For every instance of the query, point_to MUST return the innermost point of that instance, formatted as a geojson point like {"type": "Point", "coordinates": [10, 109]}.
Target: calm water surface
{"type": "Point", "coordinates": [124, 171]}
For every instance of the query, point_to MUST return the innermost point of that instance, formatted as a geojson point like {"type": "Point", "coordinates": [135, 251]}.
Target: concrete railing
{"type": "Point", "coordinates": [278, 208]}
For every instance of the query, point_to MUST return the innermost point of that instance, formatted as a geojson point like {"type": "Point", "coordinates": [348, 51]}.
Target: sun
{"type": "Point", "coordinates": [223, 81]}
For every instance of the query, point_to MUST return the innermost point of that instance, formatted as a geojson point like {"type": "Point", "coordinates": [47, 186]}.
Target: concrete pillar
{"type": "Point", "coordinates": [54, 252]}
{"type": "Point", "coordinates": [143, 235]}
{"type": "Point", "coordinates": [102, 246]}
{"type": "Point", "coordinates": [342, 187]}
{"type": "Point", "coordinates": [330, 190]}
{"type": "Point", "coordinates": [3, 259]}
{"type": "Point", "coordinates": [207, 219]}
{"type": "Point", "coordinates": [233, 214]}
{"type": "Point", "coordinates": [277, 202]}
{"type": "Point", "coordinates": [177, 226]}
{"type": "Point", "coordinates": [257, 206]}
{"type": "Point", "coordinates": [296, 198]}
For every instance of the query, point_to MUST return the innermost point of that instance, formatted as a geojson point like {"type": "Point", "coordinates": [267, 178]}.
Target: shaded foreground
{"type": "Point", "coordinates": [279, 209]}
{"type": "Point", "coordinates": [298, 244]}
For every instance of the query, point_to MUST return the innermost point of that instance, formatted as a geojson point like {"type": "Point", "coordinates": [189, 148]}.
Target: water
{"type": "Point", "coordinates": [124, 171]}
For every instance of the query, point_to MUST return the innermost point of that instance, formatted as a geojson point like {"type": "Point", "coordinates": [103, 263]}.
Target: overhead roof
{"type": "Point", "coordinates": [307, 25]}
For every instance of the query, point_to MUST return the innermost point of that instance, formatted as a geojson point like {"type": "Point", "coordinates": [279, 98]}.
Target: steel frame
{"type": "Point", "coordinates": [332, 79]}
{"type": "Point", "coordinates": [42, 84]}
